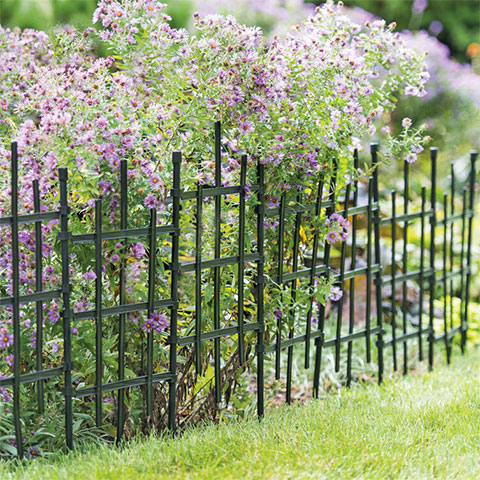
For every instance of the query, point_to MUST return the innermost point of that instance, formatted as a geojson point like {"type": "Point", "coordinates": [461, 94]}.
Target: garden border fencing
{"type": "Point", "coordinates": [428, 277]}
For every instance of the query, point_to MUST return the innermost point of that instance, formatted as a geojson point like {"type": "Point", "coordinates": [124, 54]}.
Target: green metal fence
{"type": "Point", "coordinates": [386, 328]}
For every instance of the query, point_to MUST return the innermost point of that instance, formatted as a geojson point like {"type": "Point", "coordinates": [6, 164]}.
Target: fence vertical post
{"type": "Point", "coordinates": [444, 278]}
{"type": "Point", "coordinates": [16, 303]}
{"type": "Point", "coordinates": [281, 235]}
{"type": "Point", "coordinates": [394, 279]}
{"type": "Point", "coordinates": [241, 256]}
{"type": "Point", "coordinates": [260, 289]}
{"type": "Point", "coordinates": [38, 288]}
{"type": "Point", "coordinates": [293, 294]}
{"type": "Point", "coordinates": [151, 300]}
{"type": "Point", "coordinates": [173, 337]}
{"type": "Point", "coordinates": [98, 314]}
{"type": "Point", "coordinates": [473, 159]}
{"type": "Point", "coordinates": [321, 320]}
{"type": "Point", "coordinates": [341, 280]}
{"type": "Point", "coordinates": [405, 261]}
{"type": "Point", "coordinates": [216, 270]}
{"type": "Point", "coordinates": [462, 271]}
{"type": "Point", "coordinates": [198, 280]}
{"type": "Point", "coordinates": [378, 274]}
{"type": "Point", "coordinates": [422, 276]}
{"type": "Point", "coordinates": [351, 293]}
{"type": "Point", "coordinates": [67, 313]}
{"type": "Point", "coordinates": [452, 232]}
{"type": "Point", "coordinates": [122, 298]}
{"type": "Point", "coordinates": [433, 222]}
{"type": "Point", "coordinates": [313, 271]}
{"type": "Point", "coordinates": [368, 306]}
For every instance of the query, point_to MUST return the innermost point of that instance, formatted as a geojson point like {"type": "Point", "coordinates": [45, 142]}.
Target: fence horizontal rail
{"type": "Point", "coordinates": [125, 383]}
{"type": "Point", "coordinates": [30, 218]}
{"type": "Point", "coordinates": [121, 309]}
{"type": "Point", "coordinates": [122, 234]}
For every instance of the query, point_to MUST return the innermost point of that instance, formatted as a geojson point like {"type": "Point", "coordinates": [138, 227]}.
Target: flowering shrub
{"type": "Point", "coordinates": [299, 105]}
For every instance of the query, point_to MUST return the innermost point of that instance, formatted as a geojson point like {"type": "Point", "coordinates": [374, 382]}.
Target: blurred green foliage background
{"type": "Point", "coordinates": [44, 14]}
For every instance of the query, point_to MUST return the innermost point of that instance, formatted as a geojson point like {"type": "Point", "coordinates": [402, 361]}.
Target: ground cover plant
{"type": "Point", "coordinates": [298, 105]}
{"type": "Point", "coordinates": [421, 426]}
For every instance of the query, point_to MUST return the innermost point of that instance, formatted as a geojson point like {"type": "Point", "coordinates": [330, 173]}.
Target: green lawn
{"type": "Point", "coordinates": [423, 426]}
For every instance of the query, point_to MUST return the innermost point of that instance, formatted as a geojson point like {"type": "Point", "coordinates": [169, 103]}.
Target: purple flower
{"type": "Point", "coordinates": [34, 452]}
{"type": "Point", "coordinates": [273, 202]}
{"type": "Point", "coordinates": [102, 123]}
{"type": "Point", "coordinates": [436, 27]}
{"type": "Point", "coordinates": [9, 359]}
{"type": "Point", "coordinates": [417, 149]}
{"type": "Point", "coordinates": [138, 250]}
{"type": "Point", "coordinates": [157, 322]}
{"type": "Point", "coordinates": [419, 6]}
{"type": "Point", "coordinates": [211, 103]}
{"type": "Point", "coordinates": [24, 237]}
{"type": "Point", "coordinates": [406, 122]}
{"type": "Point", "coordinates": [89, 275]}
{"type": "Point", "coordinates": [162, 324]}
{"type": "Point", "coordinates": [246, 191]}
{"type": "Point", "coordinates": [155, 181]}
{"type": "Point", "coordinates": [69, 31]}
{"type": "Point", "coordinates": [278, 313]}
{"type": "Point", "coordinates": [246, 126]}
{"type": "Point", "coordinates": [47, 250]}
{"type": "Point", "coordinates": [332, 237]}
{"type": "Point", "coordinates": [335, 293]}
{"type": "Point", "coordinates": [4, 395]}
{"type": "Point", "coordinates": [55, 348]}
{"type": "Point", "coordinates": [272, 224]}
{"type": "Point", "coordinates": [150, 201]}
{"type": "Point", "coordinates": [82, 305]}
{"type": "Point", "coordinates": [344, 223]}
{"type": "Point", "coordinates": [6, 339]}
{"type": "Point", "coordinates": [115, 162]}
{"type": "Point", "coordinates": [411, 157]}
{"type": "Point", "coordinates": [148, 326]}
